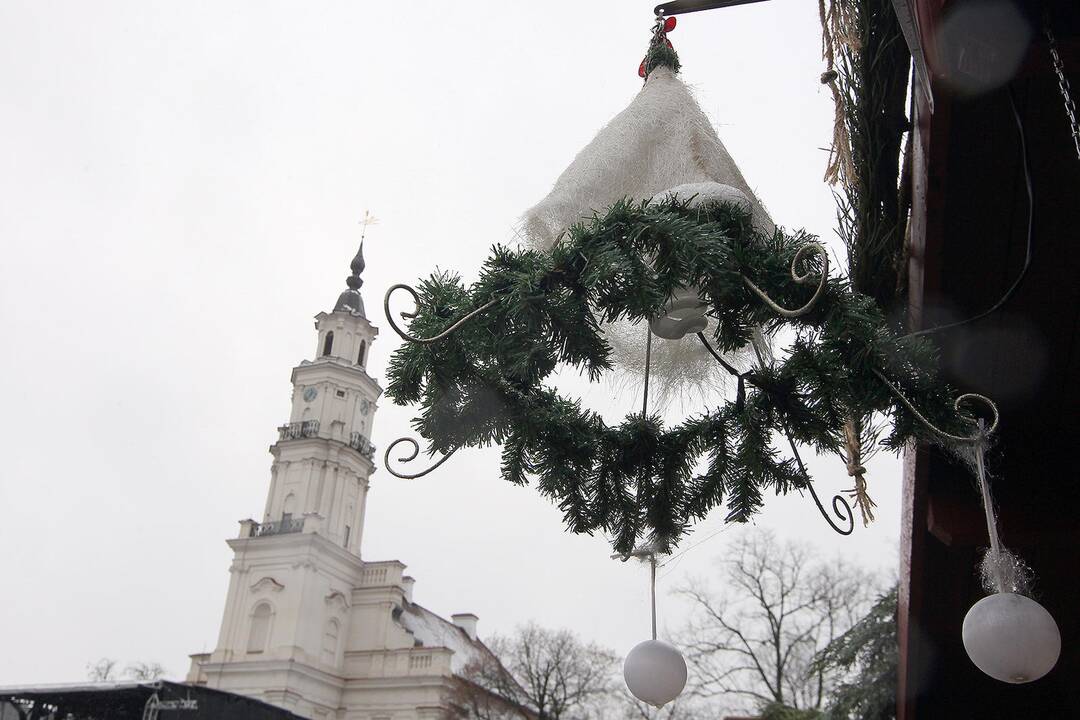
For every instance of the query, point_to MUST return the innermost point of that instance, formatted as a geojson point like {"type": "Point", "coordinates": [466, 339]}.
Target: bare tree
{"type": "Point", "coordinates": [107, 670]}
{"type": "Point", "coordinates": [144, 671]}
{"type": "Point", "coordinates": [539, 673]}
{"type": "Point", "coordinates": [754, 643]}
{"type": "Point", "coordinates": [102, 670]}
{"type": "Point", "coordinates": [685, 707]}
{"type": "Point", "coordinates": [475, 701]}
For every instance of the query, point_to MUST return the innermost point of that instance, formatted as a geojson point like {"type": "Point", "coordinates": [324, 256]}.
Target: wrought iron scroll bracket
{"type": "Point", "coordinates": [966, 398]}
{"type": "Point", "coordinates": [410, 458]}
{"type": "Point", "coordinates": [839, 504]}
{"type": "Point", "coordinates": [800, 278]}
{"type": "Point", "coordinates": [410, 315]}
{"type": "Point", "coordinates": [845, 514]}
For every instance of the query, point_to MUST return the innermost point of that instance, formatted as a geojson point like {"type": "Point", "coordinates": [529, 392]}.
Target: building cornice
{"type": "Point", "coordinates": [325, 365]}
{"type": "Point", "coordinates": [318, 551]}
{"type": "Point", "coordinates": [367, 465]}
{"type": "Point", "coordinates": [355, 317]}
{"type": "Point", "coordinates": [238, 667]}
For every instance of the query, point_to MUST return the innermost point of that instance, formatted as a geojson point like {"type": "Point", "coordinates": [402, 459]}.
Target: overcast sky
{"type": "Point", "coordinates": [180, 190]}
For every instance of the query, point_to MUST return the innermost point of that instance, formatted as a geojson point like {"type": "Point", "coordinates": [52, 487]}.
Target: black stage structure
{"type": "Point", "coordinates": [157, 700]}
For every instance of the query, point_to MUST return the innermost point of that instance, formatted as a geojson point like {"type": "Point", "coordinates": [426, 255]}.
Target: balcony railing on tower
{"type": "Point", "coordinates": [280, 527]}
{"type": "Point", "coordinates": [303, 429]}
{"type": "Point", "coordinates": [362, 445]}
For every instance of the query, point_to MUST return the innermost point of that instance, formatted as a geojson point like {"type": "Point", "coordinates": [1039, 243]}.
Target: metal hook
{"type": "Point", "coordinates": [410, 458]}
{"type": "Point", "coordinates": [980, 433]}
{"type": "Point", "coordinates": [837, 501]}
{"type": "Point", "coordinates": [799, 278]}
{"type": "Point", "coordinates": [411, 315]}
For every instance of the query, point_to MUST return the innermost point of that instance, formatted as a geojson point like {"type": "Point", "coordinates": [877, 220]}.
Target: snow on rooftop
{"type": "Point", "coordinates": [434, 631]}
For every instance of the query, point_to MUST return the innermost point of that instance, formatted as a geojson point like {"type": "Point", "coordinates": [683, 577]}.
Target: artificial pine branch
{"type": "Point", "coordinates": [484, 384]}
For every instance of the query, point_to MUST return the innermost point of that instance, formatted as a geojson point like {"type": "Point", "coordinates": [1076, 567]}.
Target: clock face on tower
{"type": "Point", "coordinates": [309, 394]}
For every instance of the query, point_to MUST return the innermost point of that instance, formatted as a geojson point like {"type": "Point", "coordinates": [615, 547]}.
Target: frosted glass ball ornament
{"type": "Point", "coordinates": [1011, 638]}
{"type": "Point", "coordinates": [655, 672]}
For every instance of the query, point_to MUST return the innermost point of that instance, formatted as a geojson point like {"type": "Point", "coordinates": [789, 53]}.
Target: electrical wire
{"type": "Point", "coordinates": [678, 555]}
{"type": "Point", "coordinates": [1030, 231]}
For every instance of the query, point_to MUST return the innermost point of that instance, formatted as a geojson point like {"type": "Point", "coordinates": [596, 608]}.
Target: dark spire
{"type": "Point", "coordinates": [350, 300]}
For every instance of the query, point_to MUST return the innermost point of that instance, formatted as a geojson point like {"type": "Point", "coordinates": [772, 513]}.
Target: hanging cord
{"type": "Point", "coordinates": [856, 470]}
{"type": "Point", "coordinates": [1030, 232]}
{"type": "Point", "coordinates": [652, 590]}
{"type": "Point", "coordinates": [682, 552]}
{"type": "Point", "coordinates": [1001, 570]}
{"type": "Point", "coordinates": [648, 364]}
{"type": "Point", "coordinates": [645, 552]}
{"type": "Point", "coordinates": [648, 551]}
{"type": "Point", "coordinates": [987, 500]}
{"type": "Point", "coordinates": [838, 29]}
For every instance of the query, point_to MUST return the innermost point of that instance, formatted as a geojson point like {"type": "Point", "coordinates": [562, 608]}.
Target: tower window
{"type": "Point", "coordinates": [363, 351]}
{"type": "Point", "coordinates": [340, 393]}
{"type": "Point", "coordinates": [260, 628]}
{"type": "Point", "coordinates": [328, 344]}
{"type": "Point", "coordinates": [348, 531]}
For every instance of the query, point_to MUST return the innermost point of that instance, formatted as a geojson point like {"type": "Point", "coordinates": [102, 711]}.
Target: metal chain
{"type": "Point", "coordinates": [1063, 83]}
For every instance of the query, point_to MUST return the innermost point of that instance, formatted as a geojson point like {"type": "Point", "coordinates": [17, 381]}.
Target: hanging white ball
{"type": "Point", "coordinates": [655, 672]}
{"type": "Point", "coordinates": [1011, 638]}
{"type": "Point", "coordinates": [683, 315]}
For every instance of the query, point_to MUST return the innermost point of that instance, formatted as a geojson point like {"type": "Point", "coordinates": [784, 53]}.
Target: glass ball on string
{"type": "Point", "coordinates": [1011, 638]}
{"type": "Point", "coordinates": [655, 672]}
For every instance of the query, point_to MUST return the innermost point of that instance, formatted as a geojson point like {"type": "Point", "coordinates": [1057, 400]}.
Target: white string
{"type": "Point", "coordinates": [652, 588]}
{"type": "Point", "coordinates": [697, 544]}
{"type": "Point", "coordinates": [988, 504]}
{"type": "Point", "coordinates": [1001, 570]}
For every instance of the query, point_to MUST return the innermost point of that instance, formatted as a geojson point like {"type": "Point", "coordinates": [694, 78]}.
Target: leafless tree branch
{"type": "Point", "coordinates": [756, 640]}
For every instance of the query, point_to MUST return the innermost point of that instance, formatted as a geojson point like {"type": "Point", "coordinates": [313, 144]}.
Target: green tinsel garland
{"type": "Point", "coordinates": [483, 383]}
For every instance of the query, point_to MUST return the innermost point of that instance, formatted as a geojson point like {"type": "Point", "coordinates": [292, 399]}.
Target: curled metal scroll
{"type": "Point", "coordinates": [837, 502]}
{"type": "Point", "coordinates": [410, 458]}
{"type": "Point", "coordinates": [979, 434]}
{"type": "Point", "coordinates": [801, 279]}
{"type": "Point", "coordinates": [411, 315]}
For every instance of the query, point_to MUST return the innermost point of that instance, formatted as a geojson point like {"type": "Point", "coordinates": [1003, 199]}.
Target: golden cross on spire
{"type": "Point", "coordinates": [368, 220]}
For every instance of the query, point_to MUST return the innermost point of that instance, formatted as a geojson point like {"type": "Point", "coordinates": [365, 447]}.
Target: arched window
{"type": "Point", "coordinates": [330, 639]}
{"type": "Point", "coordinates": [362, 353]}
{"type": "Point", "coordinates": [261, 618]}
{"type": "Point", "coordinates": [328, 344]}
{"type": "Point", "coordinates": [287, 508]}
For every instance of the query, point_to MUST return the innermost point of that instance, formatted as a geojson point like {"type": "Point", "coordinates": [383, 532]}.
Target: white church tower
{"type": "Point", "coordinates": [309, 625]}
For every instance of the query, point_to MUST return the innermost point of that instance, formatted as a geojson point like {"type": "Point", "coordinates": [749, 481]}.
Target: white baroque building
{"type": "Point", "coordinates": [308, 624]}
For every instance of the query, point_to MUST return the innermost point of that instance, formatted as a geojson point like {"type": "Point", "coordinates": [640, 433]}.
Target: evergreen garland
{"type": "Point", "coordinates": [483, 383]}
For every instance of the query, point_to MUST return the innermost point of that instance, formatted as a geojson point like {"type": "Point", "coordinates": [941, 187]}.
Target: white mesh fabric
{"type": "Point", "coordinates": [662, 143]}
{"type": "Point", "coordinates": [661, 140]}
